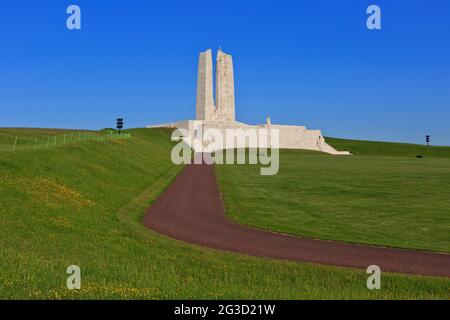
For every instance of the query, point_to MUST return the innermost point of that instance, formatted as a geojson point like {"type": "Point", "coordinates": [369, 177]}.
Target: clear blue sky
{"type": "Point", "coordinates": [310, 63]}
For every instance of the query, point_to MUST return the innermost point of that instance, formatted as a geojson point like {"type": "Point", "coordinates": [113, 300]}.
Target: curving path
{"type": "Point", "coordinates": [191, 210]}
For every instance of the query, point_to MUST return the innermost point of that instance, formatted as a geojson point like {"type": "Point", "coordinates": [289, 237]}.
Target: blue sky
{"type": "Point", "coordinates": [310, 63]}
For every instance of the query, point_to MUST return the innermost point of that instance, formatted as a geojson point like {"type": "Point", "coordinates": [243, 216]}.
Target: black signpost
{"type": "Point", "coordinates": [427, 139]}
{"type": "Point", "coordinates": [119, 124]}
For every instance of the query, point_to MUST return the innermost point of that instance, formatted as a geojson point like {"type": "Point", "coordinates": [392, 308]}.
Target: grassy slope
{"type": "Point", "coordinates": [80, 204]}
{"type": "Point", "coordinates": [22, 132]}
{"type": "Point", "coordinates": [383, 149]}
{"type": "Point", "coordinates": [392, 199]}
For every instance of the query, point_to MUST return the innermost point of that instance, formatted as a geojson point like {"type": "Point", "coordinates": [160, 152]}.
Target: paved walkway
{"type": "Point", "coordinates": [191, 210]}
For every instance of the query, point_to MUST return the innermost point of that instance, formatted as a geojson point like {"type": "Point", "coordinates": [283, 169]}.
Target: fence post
{"type": "Point", "coordinates": [48, 141]}
{"type": "Point", "coordinates": [15, 142]}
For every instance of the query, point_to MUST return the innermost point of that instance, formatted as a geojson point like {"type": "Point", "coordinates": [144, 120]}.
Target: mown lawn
{"type": "Point", "coordinates": [389, 149]}
{"type": "Point", "coordinates": [381, 195]}
{"type": "Point", "coordinates": [81, 204]}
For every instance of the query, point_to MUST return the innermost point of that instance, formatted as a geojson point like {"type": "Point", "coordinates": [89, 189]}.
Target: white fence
{"type": "Point", "coordinates": [16, 143]}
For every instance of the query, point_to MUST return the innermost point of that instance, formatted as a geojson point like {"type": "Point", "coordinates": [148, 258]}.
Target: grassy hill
{"type": "Point", "coordinates": [19, 139]}
{"type": "Point", "coordinates": [80, 204]}
{"type": "Point", "coordinates": [382, 195]}
{"type": "Point", "coordinates": [31, 132]}
{"type": "Point", "coordinates": [389, 149]}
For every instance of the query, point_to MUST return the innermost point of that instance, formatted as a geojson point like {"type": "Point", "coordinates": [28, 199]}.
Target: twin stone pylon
{"type": "Point", "coordinates": [220, 115]}
{"type": "Point", "coordinates": [224, 109]}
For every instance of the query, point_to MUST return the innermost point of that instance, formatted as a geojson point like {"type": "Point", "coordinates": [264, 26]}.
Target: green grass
{"type": "Point", "coordinates": [19, 139]}
{"type": "Point", "coordinates": [391, 199]}
{"type": "Point", "coordinates": [27, 132]}
{"type": "Point", "coordinates": [384, 149]}
{"type": "Point", "coordinates": [81, 204]}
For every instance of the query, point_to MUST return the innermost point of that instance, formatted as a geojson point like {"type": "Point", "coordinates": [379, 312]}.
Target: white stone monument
{"type": "Point", "coordinates": [223, 110]}
{"type": "Point", "coordinates": [220, 115]}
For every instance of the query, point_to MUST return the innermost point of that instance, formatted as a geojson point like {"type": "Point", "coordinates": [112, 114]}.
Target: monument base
{"type": "Point", "coordinates": [290, 137]}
